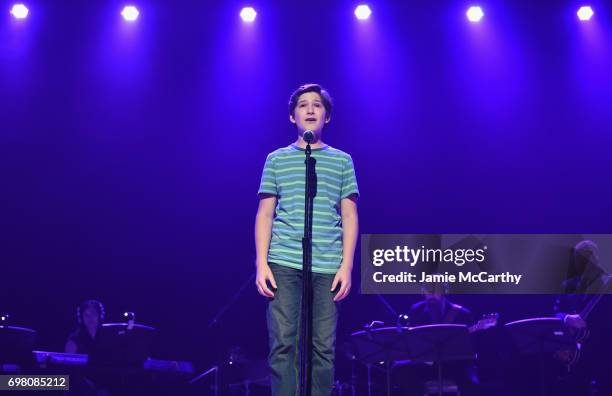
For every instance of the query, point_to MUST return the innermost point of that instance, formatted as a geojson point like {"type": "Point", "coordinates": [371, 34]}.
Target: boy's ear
{"type": "Point", "coordinates": [291, 118]}
{"type": "Point", "coordinates": [327, 119]}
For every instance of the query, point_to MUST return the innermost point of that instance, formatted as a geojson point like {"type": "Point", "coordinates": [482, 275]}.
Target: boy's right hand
{"type": "Point", "coordinates": [264, 275]}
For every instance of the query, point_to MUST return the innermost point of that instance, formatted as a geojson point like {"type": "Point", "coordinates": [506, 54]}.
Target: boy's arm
{"type": "Point", "coordinates": [263, 234]}
{"type": "Point", "coordinates": [350, 230]}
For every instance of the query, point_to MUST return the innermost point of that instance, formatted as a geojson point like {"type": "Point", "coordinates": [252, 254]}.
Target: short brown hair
{"type": "Point", "coordinates": [325, 97]}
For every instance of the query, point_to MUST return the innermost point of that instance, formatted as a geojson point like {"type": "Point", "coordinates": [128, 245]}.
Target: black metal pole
{"type": "Point", "coordinates": [306, 308]}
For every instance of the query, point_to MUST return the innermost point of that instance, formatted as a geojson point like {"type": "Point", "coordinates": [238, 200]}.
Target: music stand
{"type": "Point", "coordinates": [249, 374]}
{"type": "Point", "coordinates": [16, 344]}
{"type": "Point", "coordinates": [385, 344]}
{"type": "Point", "coordinates": [118, 345]}
{"type": "Point", "coordinates": [540, 336]}
{"type": "Point", "coordinates": [438, 343]}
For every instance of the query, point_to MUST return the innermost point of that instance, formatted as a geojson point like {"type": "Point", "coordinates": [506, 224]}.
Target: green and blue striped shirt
{"type": "Point", "coordinates": [283, 176]}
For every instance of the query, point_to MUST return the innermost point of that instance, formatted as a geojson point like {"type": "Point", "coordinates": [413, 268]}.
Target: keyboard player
{"type": "Point", "coordinates": [89, 317]}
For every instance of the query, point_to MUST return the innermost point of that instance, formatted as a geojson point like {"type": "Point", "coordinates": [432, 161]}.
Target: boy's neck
{"type": "Point", "coordinates": [301, 143]}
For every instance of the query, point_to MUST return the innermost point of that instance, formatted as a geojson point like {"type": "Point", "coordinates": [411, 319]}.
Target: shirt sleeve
{"type": "Point", "coordinates": [349, 180]}
{"type": "Point", "coordinates": [268, 178]}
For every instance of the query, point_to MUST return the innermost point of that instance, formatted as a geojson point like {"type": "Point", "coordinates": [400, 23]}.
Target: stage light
{"type": "Point", "coordinates": [474, 14]}
{"type": "Point", "coordinates": [363, 12]}
{"type": "Point", "coordinates": [248, 14]}
{"type": "Point", "coordinates": [130, 13]}
{"type": "Point", "coordinates": [19, 11]}
{"type": "Point", "coordinates": [585, 13]}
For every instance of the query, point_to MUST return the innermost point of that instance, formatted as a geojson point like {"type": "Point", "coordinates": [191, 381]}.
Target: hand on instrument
{"type": "Point", "coordinates": [264, 275]}
{"type": "Point", "coordinates": [575, 321]}
{"type": "Point", "coordinates": [343, 277]}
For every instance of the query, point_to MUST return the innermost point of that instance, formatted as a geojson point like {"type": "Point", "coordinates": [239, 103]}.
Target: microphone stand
{"type": "Point", "coordinates": [306, 308]}
{"type": "Point", "coordinates": [215, 387]}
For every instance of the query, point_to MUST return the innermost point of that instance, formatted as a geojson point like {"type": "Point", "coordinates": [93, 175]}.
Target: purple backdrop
{"type": "Point", "coordinates": [131, 154]}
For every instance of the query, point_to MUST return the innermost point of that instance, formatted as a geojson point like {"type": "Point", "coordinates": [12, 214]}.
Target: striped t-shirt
{"type": "Point", "coordinates": [283, 176]}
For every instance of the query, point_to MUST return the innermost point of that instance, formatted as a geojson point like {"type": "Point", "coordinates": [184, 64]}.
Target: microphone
{"type": "Point", "coordinates": [308, 136]}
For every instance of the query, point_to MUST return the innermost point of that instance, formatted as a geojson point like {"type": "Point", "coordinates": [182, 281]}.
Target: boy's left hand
{"type": "Point", "coordinates": [343, 277]}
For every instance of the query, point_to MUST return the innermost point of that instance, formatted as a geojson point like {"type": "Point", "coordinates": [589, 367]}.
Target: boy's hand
{"type": "Point", "coordinates": [264, 275]}
{"type": "Point", "coordinates": [343, 276]}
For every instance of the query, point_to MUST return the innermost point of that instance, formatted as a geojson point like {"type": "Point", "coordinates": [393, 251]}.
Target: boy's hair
{"type": "Point", "coordinates": [325, 97]}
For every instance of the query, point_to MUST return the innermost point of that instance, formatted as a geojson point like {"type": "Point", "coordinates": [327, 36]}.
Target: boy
{"type": "Point", "coordinates": [279, 228]}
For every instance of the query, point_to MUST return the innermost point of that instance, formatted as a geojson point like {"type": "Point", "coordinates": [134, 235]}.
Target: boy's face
{"type": "Point", "coordinates": [309, 114]}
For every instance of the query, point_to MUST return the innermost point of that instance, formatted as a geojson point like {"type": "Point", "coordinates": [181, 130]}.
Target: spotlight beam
{"type": "Point", "coordinates": [130, 13]}
{"type": "Point", "coordinates": [585, 13]}
{"type": "Point", "coordinates": [363, 12]}
{"type": "Point", "coordinates": [19, 11]}
{"type": "Point", "coordinates": [474, 14]}
{"type": "Point", "coordinates": [248, 14]}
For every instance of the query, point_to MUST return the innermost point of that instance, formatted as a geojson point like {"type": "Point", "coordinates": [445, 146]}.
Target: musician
{"type": "Point", "coordinates": [436, 308]}
{"type": "Point", "coordinates": [90, 315]}
{"type": "Point", "coordinates": [587, 280]}
{"type": "Point", "coordinates": [86, 381]}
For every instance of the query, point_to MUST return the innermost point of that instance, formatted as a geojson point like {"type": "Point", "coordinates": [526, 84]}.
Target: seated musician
{"type": "Point", "coordinates": [90, 315]}
{"type": "Point", "coordinates": [436, 308]}
{"type": "Point", "coordinates": [586, 277]}
{"type": "Point", "coordinates": [87, 381]}
{"type": "Point", "coordinates": [587, 282]}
